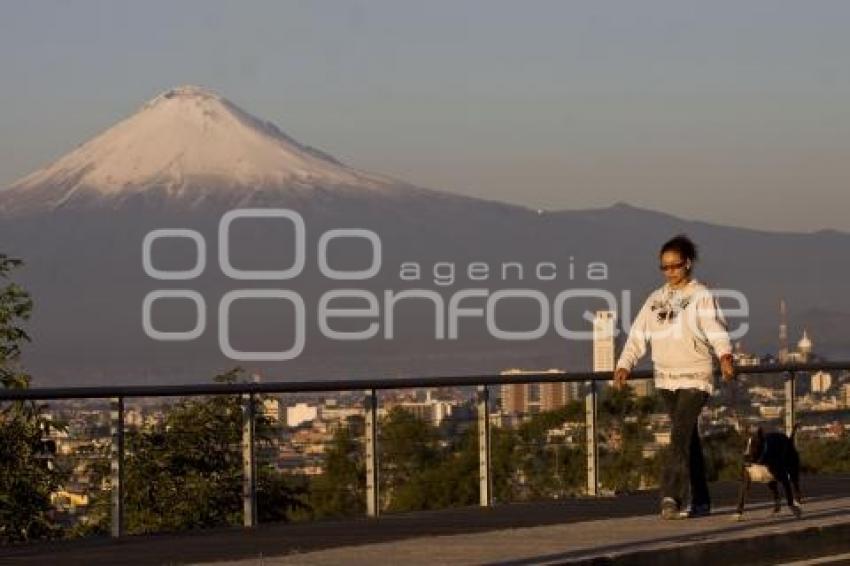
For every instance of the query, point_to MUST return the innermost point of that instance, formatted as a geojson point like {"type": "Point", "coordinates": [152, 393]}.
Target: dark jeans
{"type": "Point", "coordinates": [685, 470]}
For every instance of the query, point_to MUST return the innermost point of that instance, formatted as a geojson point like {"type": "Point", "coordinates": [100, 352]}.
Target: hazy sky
{"type": "Point", "coordinates": [732, 112]}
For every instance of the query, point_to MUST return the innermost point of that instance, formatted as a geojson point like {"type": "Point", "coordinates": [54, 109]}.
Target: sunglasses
{"type": "Point", "coordinates": [672, 266]}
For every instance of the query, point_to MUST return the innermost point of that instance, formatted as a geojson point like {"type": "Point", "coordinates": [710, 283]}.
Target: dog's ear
{"type": "Point", "coordinates": [760, 432]}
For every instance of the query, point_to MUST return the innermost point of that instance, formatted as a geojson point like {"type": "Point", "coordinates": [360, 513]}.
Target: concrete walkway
{"type": "Point", "coordinates": [533, 532]}
{"type": "Point", "coordinates": [824, 528]}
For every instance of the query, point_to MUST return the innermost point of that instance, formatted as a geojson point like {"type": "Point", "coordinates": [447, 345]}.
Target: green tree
{"type": "Point", "coordinates": [503, 445]}
{"type": "Point", "coordinates": [723, 454]}
{"type": "Point", "coordinates": [27, 476]}
{"type": "Point", "coordinates": [452, 480]}
{"type": "Point", "coordinates": [623, 417]}
{"type": "Point", "coordinates": [341, 490]}
{"type": "Point", "coordinates": [824, 455]}
{"type": "Point", "coordinates": [186, 473]}
{"type": "Point", "coordinates": [547, 467]}
{"type": "Point", "coordinates": [408, 447]}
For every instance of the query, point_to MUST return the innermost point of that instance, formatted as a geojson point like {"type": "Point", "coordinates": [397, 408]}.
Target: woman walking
{"type": "Point", "coordinates": [684, 326]}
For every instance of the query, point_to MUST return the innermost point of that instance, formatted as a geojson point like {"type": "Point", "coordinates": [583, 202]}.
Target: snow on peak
{"type": "Point", "coordinates": [191, 135]}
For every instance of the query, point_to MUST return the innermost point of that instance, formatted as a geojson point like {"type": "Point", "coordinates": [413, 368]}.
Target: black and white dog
{"type": "Point", "coordinates": [772, 459]}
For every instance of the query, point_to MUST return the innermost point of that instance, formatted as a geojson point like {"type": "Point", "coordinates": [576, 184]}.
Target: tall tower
{"type": "Point", "coordinates": [804, 347]}
{"type": "Point", "coordinates": [553, 396]}
{"type": "Point", "coordinates": [523, 399]}
{"type": "Point", "coordinates": [783, 333]}
{"type": "Point", "coordinates": [603, 360]}
{"type": "Point", "coordinates": [603, 341]}
{"type": "Point", "coordinates": [514, 395]}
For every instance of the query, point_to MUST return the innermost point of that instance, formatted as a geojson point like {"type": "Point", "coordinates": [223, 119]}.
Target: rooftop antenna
{"type": "Point", "coordinates": [783, 332]}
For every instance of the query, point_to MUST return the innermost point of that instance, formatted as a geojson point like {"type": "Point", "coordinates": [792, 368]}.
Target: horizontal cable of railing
{"type": "Point", "coordinates": [310, 386]}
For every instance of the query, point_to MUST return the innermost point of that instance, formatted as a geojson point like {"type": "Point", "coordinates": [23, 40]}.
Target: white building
{"type": "Point", "coordinates": [821, 382]}
{"type": "Point", "coordinates": [603, 341]}
{"type": "Point", "coordinates": [271, 409]}
{"type": "Point", "coordinates": [431, 411]}
{"type": "Point", "coordinates": [803, 353]}
{"type": "Point", "coordinates": [300, 413]}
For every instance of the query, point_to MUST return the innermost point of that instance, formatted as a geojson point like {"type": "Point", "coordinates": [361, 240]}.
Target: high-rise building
{"type": "Point", "coordinates": [821, 382]}
{"type": "Point", "coordinates": [804, 346]}
{"type": "Point", "coordinates": [528, 398]}
{"type": "Point", "coordinates": [553, 396]}
{"type": "Point", "coordinates": [514, 395]}
{"type": "Point", "coordinates": [783, 333]}
{"type": "Point", "coordinates": [603, 341]}
{"type": "Point", "coordinates": [574, 391]}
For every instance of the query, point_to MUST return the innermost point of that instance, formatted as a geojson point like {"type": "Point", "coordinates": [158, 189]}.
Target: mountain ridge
{"type": "Point", "coordinates": [84, 269]}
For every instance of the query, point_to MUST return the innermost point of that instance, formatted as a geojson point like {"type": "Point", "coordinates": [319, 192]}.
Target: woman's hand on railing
{"type": "Point", "coordinates": [620, 377]}
{"type": "Point", "coordinates": [727, 368]}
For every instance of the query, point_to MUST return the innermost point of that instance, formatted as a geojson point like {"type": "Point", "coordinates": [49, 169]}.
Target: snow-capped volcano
{"type": "Point", "coordinates": [186, 138]}
{"type": "Point", "coordinates": [188, 155]}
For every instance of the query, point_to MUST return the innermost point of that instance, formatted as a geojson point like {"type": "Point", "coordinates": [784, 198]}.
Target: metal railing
{"type": "Point", "coordinates": [371, 387]}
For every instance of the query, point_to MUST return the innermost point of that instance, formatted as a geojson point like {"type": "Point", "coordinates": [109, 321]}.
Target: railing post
{"type": "Point", "coordinates": [790, 405]}
{"type": "Point", "coordinates": [116, 465]}
{"type": "Point", "coordinates": [485, 480]}
{"type": "Point", "coordinates": [249, 463]}
{"type": "Point", "coordinates": [591, 441]}
{"type": "Point", "coordinates": [373, 508]}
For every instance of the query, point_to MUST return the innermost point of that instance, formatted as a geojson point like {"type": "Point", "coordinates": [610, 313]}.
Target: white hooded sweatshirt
{"type": "Point", "coordinates": [683, 326]}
